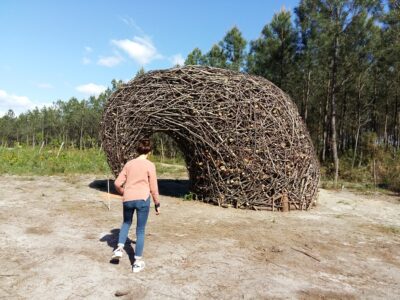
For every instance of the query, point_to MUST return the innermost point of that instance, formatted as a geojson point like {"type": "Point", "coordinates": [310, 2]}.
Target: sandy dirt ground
{"type": "Point", "coordinates": [57, 236]}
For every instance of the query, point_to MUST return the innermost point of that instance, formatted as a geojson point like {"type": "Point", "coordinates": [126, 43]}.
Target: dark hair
{"type": "Point", "coordinates": [144, 146]}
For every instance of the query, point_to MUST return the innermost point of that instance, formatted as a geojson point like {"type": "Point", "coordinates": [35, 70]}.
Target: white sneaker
{"type": "Point", "coordinates": [138, 266]}
{"type": "Point", "coordinates": [117, 254]}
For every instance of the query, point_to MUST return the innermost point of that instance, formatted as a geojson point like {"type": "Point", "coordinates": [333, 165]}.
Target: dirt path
{"type": "Point", "coordinates": [57, 235]}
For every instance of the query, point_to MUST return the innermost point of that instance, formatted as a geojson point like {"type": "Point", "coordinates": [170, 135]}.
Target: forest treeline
{"type": "Point", "coordinates": [338, 60]}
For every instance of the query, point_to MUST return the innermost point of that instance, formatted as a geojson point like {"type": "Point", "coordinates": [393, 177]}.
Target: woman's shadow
{"type": "Point", "coordinates": [112, 242]}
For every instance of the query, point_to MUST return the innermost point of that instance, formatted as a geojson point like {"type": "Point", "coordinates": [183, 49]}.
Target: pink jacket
{"type": "Point", "coordinates": [139, 180]}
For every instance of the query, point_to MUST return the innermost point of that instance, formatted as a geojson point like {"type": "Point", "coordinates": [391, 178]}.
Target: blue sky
{"type": "Point", "coordinates": [54, 50]}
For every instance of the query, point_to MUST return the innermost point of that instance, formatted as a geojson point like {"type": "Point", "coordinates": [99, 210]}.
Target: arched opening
{"type": "Point", "coordinates": [166, 149]}
{"type": "Point", "coordinates": [173, 177]}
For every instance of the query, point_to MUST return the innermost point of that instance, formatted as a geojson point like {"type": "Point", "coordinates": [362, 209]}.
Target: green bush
{"type": "Point", "coordinates": [388, 170]}
{"type": "Point", "coordinates": [361, 175]}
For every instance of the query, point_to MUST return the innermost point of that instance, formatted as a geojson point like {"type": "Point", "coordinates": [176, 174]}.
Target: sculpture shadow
{"type": "Point", "coordinates": [101, 185]}
{"type": "Point", "coordinates": [173, 187]}
{"type": "Point", "coordinates": [167, 187]}
{"type": "Point", "coordinates": [112, 241]}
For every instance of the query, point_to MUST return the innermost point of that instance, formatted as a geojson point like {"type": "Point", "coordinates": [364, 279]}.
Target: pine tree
{"type": "Point", "coordinates": [334, 23]}
{"type": "Point", "coordinates": [215, 57]}
{"type": "Point", "coordinates": [194, 58]}
{"type": "Point", "coordinates": [233, 46]}
{"type": "Point", "coordinates": [272, 55]}
{"type": "Point", "coordinates": [390, 60]}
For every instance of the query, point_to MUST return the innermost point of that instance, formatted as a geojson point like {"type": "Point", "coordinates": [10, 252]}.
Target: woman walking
{"type": "Point", "coordinates": [136, 182]}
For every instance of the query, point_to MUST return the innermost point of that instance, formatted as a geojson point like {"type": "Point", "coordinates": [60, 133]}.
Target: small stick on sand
{"type": "Point", "coordinates": [305, 253]}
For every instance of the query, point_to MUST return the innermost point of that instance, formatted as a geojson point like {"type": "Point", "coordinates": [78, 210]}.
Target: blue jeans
{"type": "Point", "coordinates": [142, 213]}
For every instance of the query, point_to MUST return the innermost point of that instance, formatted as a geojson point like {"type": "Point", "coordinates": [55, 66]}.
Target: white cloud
{"type": "Point", "coordinates": [91, 89]}
{"type": "Point", "coordinates": [177, 59]}
{"type": "Point", "coordinates": [131, 23]}
{"type": "Point", "coordinates": [17, 103]}
{"type": "Point", "coordinates": [86, 61]}
{"type": "Point", "coordinates": [140, 49]}
{"type": "Point", "coordinates": [44, 85]}
{"type": "Point", "coordinates": [109, 61]}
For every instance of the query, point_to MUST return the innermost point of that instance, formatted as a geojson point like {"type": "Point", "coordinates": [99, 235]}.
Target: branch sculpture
{"type": "Point", "coordinates": [242, 137]}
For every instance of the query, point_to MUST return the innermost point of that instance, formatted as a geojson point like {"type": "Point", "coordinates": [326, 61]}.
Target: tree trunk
{"type": "Point", "coordinates": [325, 125]}
{"type": "Point", "coordinates": [360, 87]}
{"type": "Point", "coordinates": [396, 122]}
{"type": "Point", "coordinates": [43, 129]}
{"type": "Point", "coordinates": [334, 144]}
{"type": "Point", "coordinates": [162, 149]}
{"type": "Point", "coordinates": [281, 63]}
{"type": "Point", "coordinates": [342, 134]}
{"type": "Point", "coordinates": [374, 171]}
{"type": "Point", "coordinates": [385, 132]}
{"type": "Point", "coordinates": [333, 108]}
{"type": "Point", "coordinates": [355, 146]}
{"type": "Point", "coordinates": [81, 136]}
{"type": "Point", "coordinates": [307, 97]}
{"type": "Point", "coordinates": [374, 108]}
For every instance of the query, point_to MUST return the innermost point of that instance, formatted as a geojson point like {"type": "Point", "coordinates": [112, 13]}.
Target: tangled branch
{"type": "Point", "coordinates": [243, 140]}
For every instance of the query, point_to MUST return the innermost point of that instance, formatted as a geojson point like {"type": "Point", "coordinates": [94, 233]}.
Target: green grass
{"type": "Point", "coordinates": [28, 161]}
{"type": "Point", "coordinates": [170, 161]}
{"type": "Point", "coordinates": [174, 170]}
{"type": "Point", "coordinates": [365, 188]}
{"type": "Point", "coordinates": [388, 229]}
{"type": "Point", "coordinates": [343, 202]}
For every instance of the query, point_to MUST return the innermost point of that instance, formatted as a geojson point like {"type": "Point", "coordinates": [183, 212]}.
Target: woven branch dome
{"type": "Point", "coordinates": [243, 140]}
